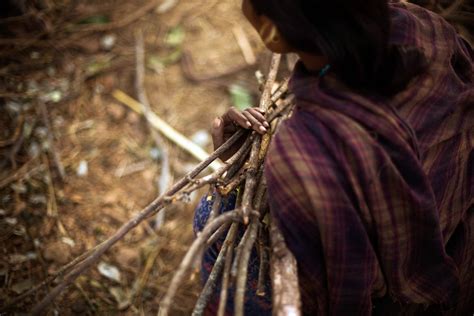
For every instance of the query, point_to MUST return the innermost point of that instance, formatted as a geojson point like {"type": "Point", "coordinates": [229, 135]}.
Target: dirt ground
{"type": "Point", "coordinates": [111, 162]}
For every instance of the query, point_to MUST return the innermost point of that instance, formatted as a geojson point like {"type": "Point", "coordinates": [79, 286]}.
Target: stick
{"type": "Point", "coordinates": [247, 245]}
{"type": "Point", "coordinates": [265, 102]}
{"type": "Point", "coordinates": [217, 235]}
{"type": "Point", "coordinates": [243, 266]}
{"type": "Point", "coordinates": [52, 149]}
{"type": "Point", "coordinates": [264, 262]}
{"type": "Point", "coordinates": [20, 173]}
{"type": "Point", "coordinates": [226, 279]}
{"type": "Point", "coordinates": [215, 206]}
{"type": "Point", "coordinates": [191, 256]}
{"type": "Point", "coordinates": [211, 283]}
{"type": "Point", "coordinates": [16, 133]}
{"type": "Point", "coordinates": [284, 272]}
{"type": "Point", "coordinates": [165, 129]}
{"type": "Point", "coordinates": [146, 109]}
{"type": "Point", "coordinates": [244, 45]}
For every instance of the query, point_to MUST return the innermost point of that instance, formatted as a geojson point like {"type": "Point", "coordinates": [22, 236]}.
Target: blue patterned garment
{"type": "Point", "coordinates": [254, 304]}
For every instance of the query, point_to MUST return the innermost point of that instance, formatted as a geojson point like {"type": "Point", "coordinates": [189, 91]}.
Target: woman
{"type": "Point", "coordinates": [371, 179]}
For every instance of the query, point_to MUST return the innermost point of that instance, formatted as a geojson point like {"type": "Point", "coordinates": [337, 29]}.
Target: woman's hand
{"type": "Point", "coordinates": [225, 126]}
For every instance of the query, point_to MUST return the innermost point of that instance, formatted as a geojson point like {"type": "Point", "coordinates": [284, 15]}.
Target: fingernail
{"type": "Point", "coordinates": [248, 124]}
{"type": "Point", "coordinates": [263, 129]}
{"type": "Point", "coordinates": [217, 122]}
{"type": "Point", "coordinates": [266, 124]}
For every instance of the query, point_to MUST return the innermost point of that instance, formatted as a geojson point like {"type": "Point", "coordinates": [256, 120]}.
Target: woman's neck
{"type": "Point", "coordinates": [313, 63]}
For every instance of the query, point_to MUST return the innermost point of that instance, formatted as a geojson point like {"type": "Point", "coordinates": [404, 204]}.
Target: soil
{"type": "Point", "coordinates": [106, 150]}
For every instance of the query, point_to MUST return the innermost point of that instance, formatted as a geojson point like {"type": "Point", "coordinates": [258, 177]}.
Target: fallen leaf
{"type": "Point", "coordinates": [109, 271]}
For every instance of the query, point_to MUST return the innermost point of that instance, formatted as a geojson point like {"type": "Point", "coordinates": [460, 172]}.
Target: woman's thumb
{"type": "Point", "coordinates": [217, 132]}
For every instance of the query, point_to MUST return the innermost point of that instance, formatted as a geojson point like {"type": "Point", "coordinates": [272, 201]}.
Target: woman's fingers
{"type": "Point", "coordinates": [256, 125]}
{"type": "Point", "coordinates": [250, 118]}
{"type": "Point", "coordinates": [234, 116]}
{"type": "Point", "coordinates": [259, 115]}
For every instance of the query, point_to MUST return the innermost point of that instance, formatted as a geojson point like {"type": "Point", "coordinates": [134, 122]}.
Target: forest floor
{"type": "Point", "coordinates": [111, 162]}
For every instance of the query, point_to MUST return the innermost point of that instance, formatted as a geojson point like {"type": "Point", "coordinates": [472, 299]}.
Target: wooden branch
{"type": "Point", "coordinates": [146, 109]}
{"type": "Point", "coordinates": [244, 45]}
{"type": "Point", "coordinates": [165, 129]}
{"type": "Point", "coordinates": [284, 275]}
{"type": "Point", "coordinates": [191, 256]}
{"type": "Point", "coordinates": [52, 146]}
{"type": "Point", "coordinates": [211, 284]}
{"type": "Point", "coordinates": [264, 262]}
{"type": "Point", "coordinates": [243, 266]}
{"type": "Point", "coordinates": [226, 278]}
{"type": "Point", "coordinates": [215, 206]}
{"type": "Point", "coordinates": [217, 235]}
{"type": "Point", "coordinates": [248, 242]}
{"type": "Point", "coordinates": [265, 102]}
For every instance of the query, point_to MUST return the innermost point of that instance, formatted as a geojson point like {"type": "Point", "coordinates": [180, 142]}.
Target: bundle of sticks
{"type": "Point", "coordinates": [244, 170]}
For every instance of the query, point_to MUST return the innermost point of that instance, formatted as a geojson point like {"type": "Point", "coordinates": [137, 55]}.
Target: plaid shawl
{"type": "Point", "coordinates": [373, 194]}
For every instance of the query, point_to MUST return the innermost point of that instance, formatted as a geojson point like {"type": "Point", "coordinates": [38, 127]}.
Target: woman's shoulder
{"type": "Point", "coordinates": [320, 137]}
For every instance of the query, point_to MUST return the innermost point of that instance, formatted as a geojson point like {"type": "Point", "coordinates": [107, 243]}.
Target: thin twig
{"type": "Point", "coordinates": [211, 284]}
{"type": "Point", "coordinates": [146, 108]}
{"type": "Point", "coordinates": [265, 102]}
{"type": "Point", "coordinates": [244, 45]}
{"type": "Point", "coordinates": [243, 266]}
{"type": "Point", "coordinates": [215, 206]}
{"type": "Point", "coordinates": [191, 256]}
{"type": "Point", "coordinates": [52, 147]}
{"type": "Point", "coordinates": [24, 171]}
{"type": "Point", "coordinates": [226, 279]}
{"type": "Point", "coordinates": [217, 235]}
{"type": "Point", "coordinates": [264, 262]}
{"type": "Point", "coordinates": [16, 133]}
{"type": "Point", "coordinates": [284, 276]}
{"type": "Point", "coordinates": [248, 242]}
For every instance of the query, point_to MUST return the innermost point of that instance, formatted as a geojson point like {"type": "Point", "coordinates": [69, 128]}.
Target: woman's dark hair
{"type": "Point", "coordinates": [353, 34]}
